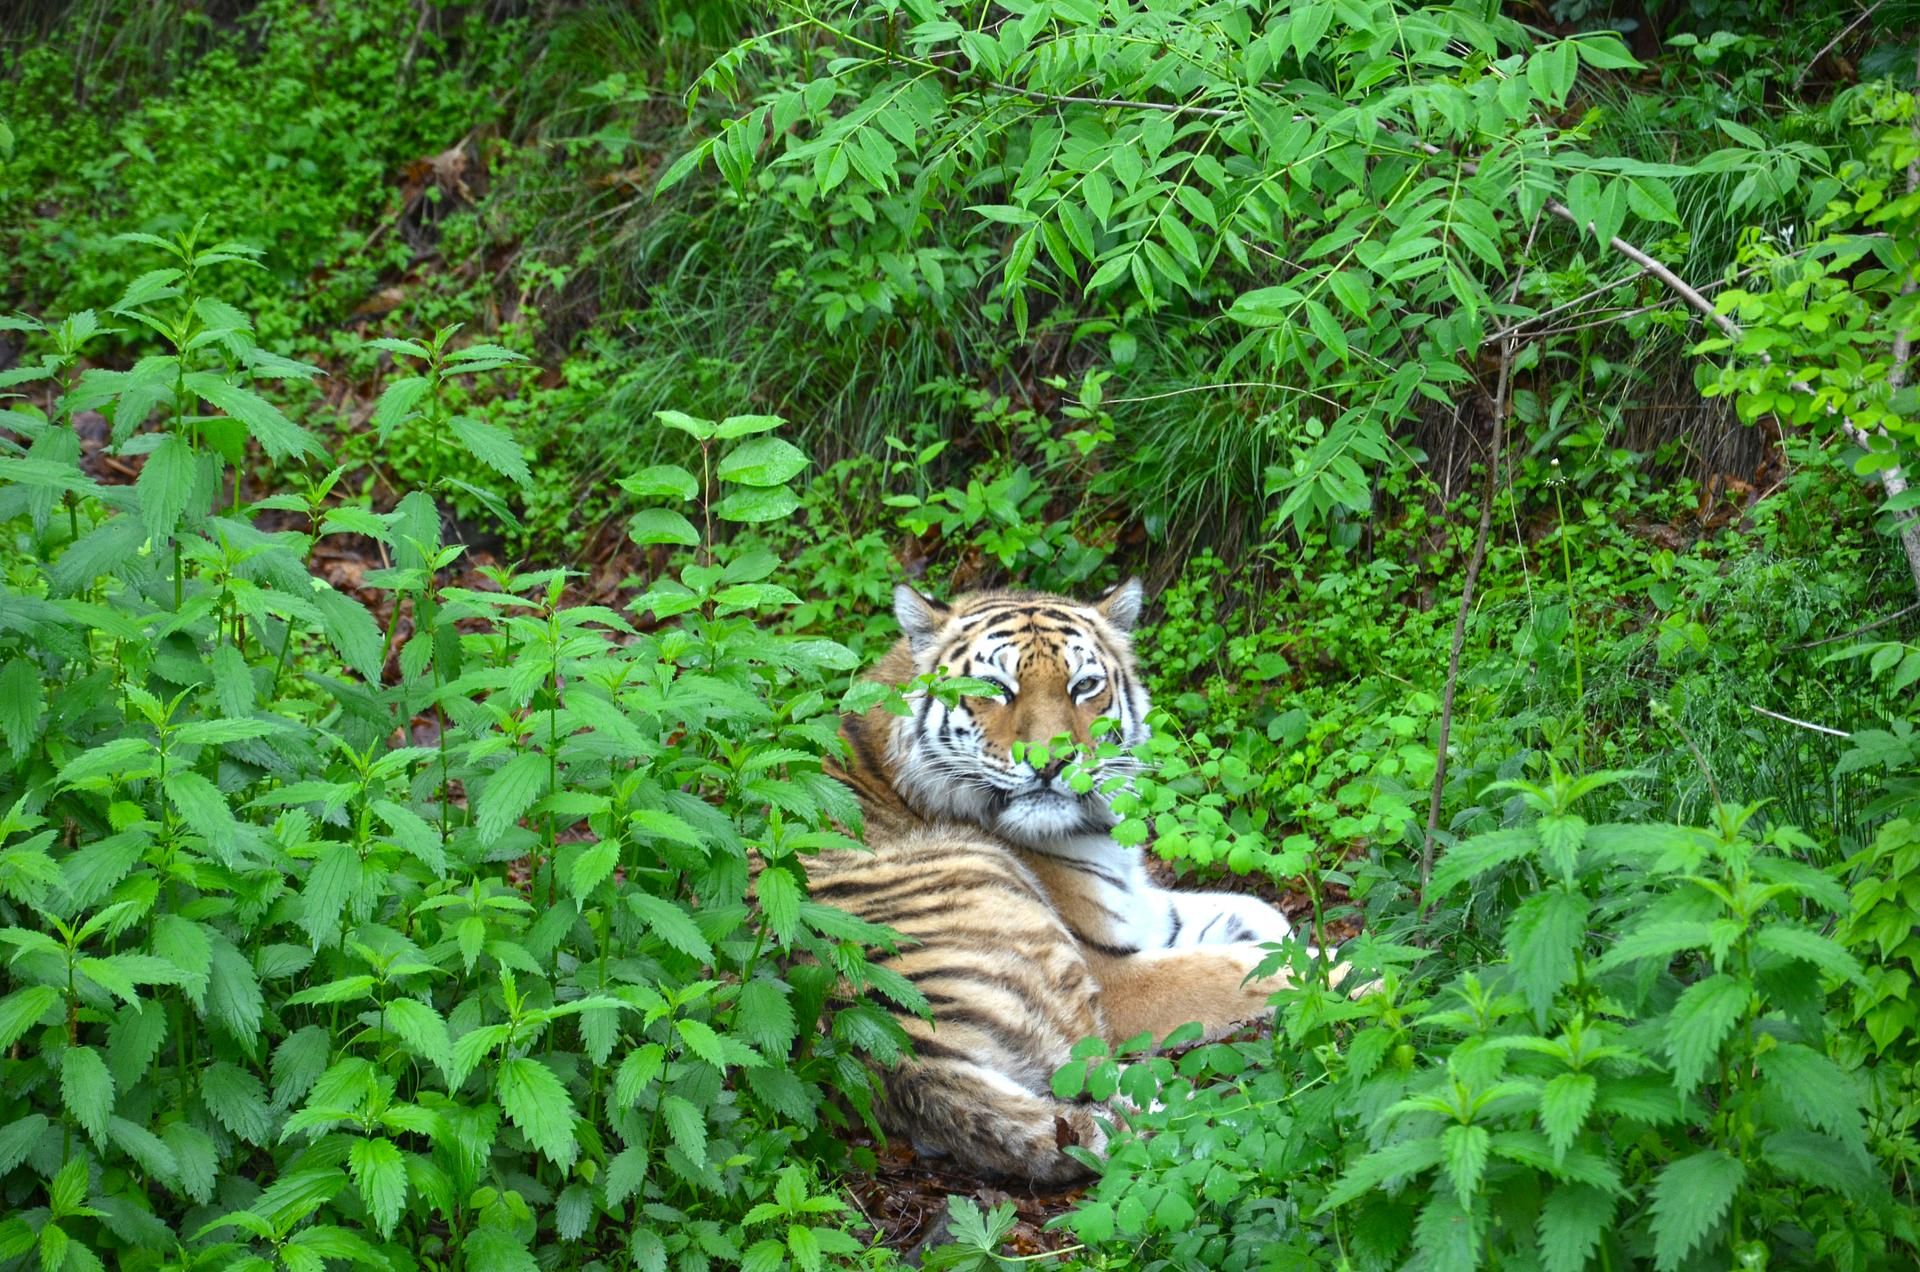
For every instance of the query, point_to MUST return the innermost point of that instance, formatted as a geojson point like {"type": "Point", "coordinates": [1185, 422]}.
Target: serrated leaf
{"type": "Point", "coordinates": [1476, 856]}
{"type": "Point", "coordinates": [779, 896]}
{"type": "Point", "coordinates": [1572, 1220]}
{"type": "Point", "coordinates": [234, 1000]}
{"type": "Point", "coordinates": [1700, 1021]}
{"type": "Point", "coordinates": [350, 629]}
{"type": "Point", "coordinates": [280, 437]}
{"type": "Point", "coordinates": [22, 703]}
{"type": "Point", "coordinates": [509, 792]}
{"type": "Point", "coordinates": [196, 1161]}
{"type": "Point", "coordinates": [687, 1125]}
{"type": "Point", "coordinates": [1689, 1199]}
{"type": "Point", "coordinates": [537, 1102]}
{"type": "Point", "coordinates": [1810, 947]}
{"type": "Point", "coordinates": [493, 446]}
{"type": "Point", "coordinates": [204, 809]}
{"type": "Point", "coordinates": [671, 924]}
{"type": "Point", "coordinates": [1465, 1150]}
{"type": "Point", "coordinates": [625, 1175]}
{"type": "Point", "coordinates": [1544, 937]}
{"type": "Point", "coordinates": [423, 1030]}
{"type": "Point", "coordinates": [22, 1009]}
{"type": "Point", "coordinates": [237, 1101]}
{"type": "Point", "coordinates": [495, 1250]}
{"type": "Point", "coordinates": [166, 483]}
{"type": "Point", "coordinates": [593, 867]}
{"type": "Point", "coordinates": [1564, 1104]}
{"type": "Point", "coordinates": [380, 1173]}
{"type": "Point", "coordinates": [18, 1138]}
{"type": "Point", "coordinates": [86, 1088]}
{"type": "Point", "coordinates": [1818, 1090]}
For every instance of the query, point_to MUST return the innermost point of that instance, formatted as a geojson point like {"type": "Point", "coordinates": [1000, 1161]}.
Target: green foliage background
{"type": "Point", "coordinates": [454, 457]}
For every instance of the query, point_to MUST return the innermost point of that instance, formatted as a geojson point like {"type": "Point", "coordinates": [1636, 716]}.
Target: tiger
{"type": "Point", "coordinates": [1028, 926]}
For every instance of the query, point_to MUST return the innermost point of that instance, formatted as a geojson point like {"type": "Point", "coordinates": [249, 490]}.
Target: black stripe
{"type": "Point", "coordinates": [1111, 951]}
{"type": "Point", "coordinates": [930, 1049]}
{"type": "Point", "coordinates": [1173, 912]}
{"type": "Point", "coordinates": [1084, 867]}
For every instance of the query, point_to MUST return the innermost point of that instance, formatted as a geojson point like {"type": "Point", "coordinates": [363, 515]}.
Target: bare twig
{"type": "Point", "coordinates": [1803, 724]}
{"type": "Point", "coordinates": [1502, 393]}
{"type": "Point", "coordinates": [1507, 332]}
{"type": "Point", "coordinates": [1894, 617]}
{"type": "Point", "coordinates": [1814, 61]}
{"type": "Point", "coordinates": [1234, 384]}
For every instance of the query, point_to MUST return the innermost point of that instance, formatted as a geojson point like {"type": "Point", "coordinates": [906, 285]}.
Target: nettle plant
{"type": "Point", "coordinates": [1643, 1080]}
{"type": "Point", "coordinates": [423, 935]}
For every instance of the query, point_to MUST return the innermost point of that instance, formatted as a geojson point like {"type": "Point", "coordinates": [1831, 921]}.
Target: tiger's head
{"type": "Point", "coordinates": [1051, 666]}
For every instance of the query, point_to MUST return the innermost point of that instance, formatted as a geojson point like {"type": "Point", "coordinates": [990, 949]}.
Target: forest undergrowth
{"type": "Point", "coordinates": [455, 458]}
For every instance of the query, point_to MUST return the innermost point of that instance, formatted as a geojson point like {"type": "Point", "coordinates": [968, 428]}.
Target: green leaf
{"type": "Point", "coordinates": [1395, 1161]}
{"type": "Point", "coordinates": [702, 1041]}
{"type": "Point", "coordinates": [398, 400]}
{"type": "Point", "coordinates": [1572, 1221]}
{"type": "Point", "coordinates": [754, 506]}
{"type": "Point", "coordinates": [687, 1125]}
{"type": "Point", "coordinates": [1564, 1104]}
{"type": "Point", "coordinates": [17, 1140]}
{"type": "Point", "coordinates": [779, 895]}
{"type": "Point", "coordinates": [1689, 1199]}
{"type": "Point", "coordinates": [22, 1009]}
{"type": "Point", "coordinates": [350, 629]}
{"type": "Point", "coordinates": [196, 1161]}
{"type": "Point", "coordinates": [1544, 938]}
{"type": "Point", "coordinates": [1818, 1090]}
{"type": "Point", "coordinates": [380, 1173]}
{"type": "Point", "coordinates": [86, 1088]}
{"type": "Point", "coordinates": [671, 924]}
{"type": "Point", "coordinates": [1810, 947]}
{"type": "Point", "coordinates": [698, 429]}
{"type": "Point", "coordinates": [661, 481]}
{"type": "Point", "coordinates": [764, 461]}
{"type": "Point", "coordinates": [277, 435]}
{"type": "Point", "coordinates": [495, 1250]}
{"type": "Point", "coordinates": [741, 425]}
{"type": "Point", "coordinates": [1660, 939]}
{"type": "Point", "coordinates": [537, 1103]}
{"type": "Point", "coordinates": [493, 446]}
{"type": "Point", "coordinates": [423, 1030]}
{"type": "Point", "coordinates": [123, 759]}
{"type": "Point", "coordinates": [593, 867]}
{"type": "Point", "coordinates": [1465, 1150]}
{"type": "Point", "coordinates": [662, 525]}
{"type": "Point", "coordinates": [22, 703]}
{"type": "Point", "coordinates": [508, 794]}
{"type": "Point", "coordinates": [234, 1000]}
{"type": "Point", "coordinates": [412, 832]}
{"type": "Point", "coordinates": [204, 809]}
{"type": "Point", "coordinates": [166, 483]}
{"type": "Point", "coordinates": [237, 1101]}
{"type": "Point", "coordinates": [1700, 1021]}
{"type": "Point", "coordinates": [1474, 857]}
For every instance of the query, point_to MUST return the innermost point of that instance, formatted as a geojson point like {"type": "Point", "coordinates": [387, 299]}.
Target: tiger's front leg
{"type": "Point", "coordinates": [1223, 918]}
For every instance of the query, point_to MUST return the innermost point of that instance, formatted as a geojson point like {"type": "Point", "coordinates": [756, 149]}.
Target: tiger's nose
{"type": "Point", "coordinates": [1051, 769]}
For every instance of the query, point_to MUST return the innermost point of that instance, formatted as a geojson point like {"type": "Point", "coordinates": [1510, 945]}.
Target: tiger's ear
{"type": "Point", "coordinates": [1121, 607]}
{"type": "Point", "coordinates": [920, 617]}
